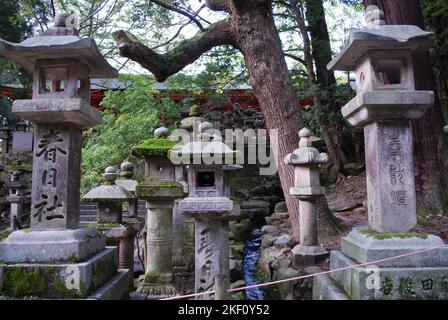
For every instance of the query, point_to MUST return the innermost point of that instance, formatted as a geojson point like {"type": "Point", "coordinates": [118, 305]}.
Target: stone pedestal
{"type": "Point", "coordinates": [211, 216]}
{"type": "Point", "coordinates": [158, 281]}
{"type": "Point", "coordinates": [390, 178]}
{"type": "Point", "coordinates": [123, 237]}
{"type": "Point", "coordinates": [178, 236]}
{"type": "Point", "coordinates": [420, 276]}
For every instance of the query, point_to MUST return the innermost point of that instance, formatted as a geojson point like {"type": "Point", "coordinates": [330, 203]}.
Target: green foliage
{"type": "Point", "coordinates": [130, 117]}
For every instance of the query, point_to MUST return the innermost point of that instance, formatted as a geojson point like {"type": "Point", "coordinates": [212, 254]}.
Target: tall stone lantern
{"type": "Point", "coordinates": [386, 102]}
{"type": "Point", "coordinates": [62, 64]}
{"type": "Point", "coordinates": [159, 190]}
{"type": "Point", "coordinates": [209, 206]}
{"type": "Point", "coordinates": [306, 160]}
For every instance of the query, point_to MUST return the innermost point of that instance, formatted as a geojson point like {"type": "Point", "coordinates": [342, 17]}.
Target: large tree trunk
{"type": "Point", "coordinates": [251, 29]}
{"type": "Point", "coordinates": [430, 143]}
{"type": "Point", "coordinates": [330, 118]}
{"type": "Point", "coordinates": [258, 40]}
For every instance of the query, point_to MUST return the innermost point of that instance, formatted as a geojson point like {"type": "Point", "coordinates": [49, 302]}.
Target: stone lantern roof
{"type": "Point", "coordinates": [59, 42]}
{"type": "Point", "coordinates": [207, 144]}
{"type": "Point", "coordinates": [386, 37]}
{"type": "Point", "coordinates": [160, 145]}
{"type": "Point", "coordinates": [109, 191]}
{"type": "Point", "coordinates": [306, 154]}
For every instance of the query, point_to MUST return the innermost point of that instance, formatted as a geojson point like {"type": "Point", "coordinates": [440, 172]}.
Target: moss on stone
{"type": "Point", "coordinates": [159, 189]}
{"type": "Point", "coordinates": [43, 282]}
{"type": "Point", "coordinates": [4, 234]}
{"type": "Point", "coordinates": [153, 147]}
{"type": "Point", "coordinates": [383, 236]}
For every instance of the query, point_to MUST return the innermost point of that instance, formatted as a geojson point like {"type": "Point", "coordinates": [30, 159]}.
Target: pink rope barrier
{"type": "Point", "coordinates": [309, 275]}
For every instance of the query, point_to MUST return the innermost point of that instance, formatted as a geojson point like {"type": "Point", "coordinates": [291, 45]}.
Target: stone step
{"type": "Point", "coordinates": [116, 288]}
{"type": "Point", "coordinates": [325, 289]}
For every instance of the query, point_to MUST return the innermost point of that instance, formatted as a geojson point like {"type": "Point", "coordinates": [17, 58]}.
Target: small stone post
{"type": "Point", "coordinates": [159, 190]}
{"type": "Point", "coordinates": [17, 199]}
{"type": "Point", "coordinates": [306, 161]}
{"type": "Point", "coordinates": [209, 207]}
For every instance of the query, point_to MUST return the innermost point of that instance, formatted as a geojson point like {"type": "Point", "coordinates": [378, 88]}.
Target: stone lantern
{"type": "Point", "coordinates": [17, 198]}
{"type": "Point", "coordinates": [110, 198]}
{"type": "Point", "coordinates": [159, 190]}
{"type": "Point", "coordinates": [307, 188]}
{"type": "Point", "coordinates": [386, 102]}
{"type": "Point", "coordinates": [62, 64]}
{"type": "Point", "coordinates": [5, 133]}
{"type": "Point", "coordinates": [126, 182]}
{"type": "Point", "coordinates": [209, 206]}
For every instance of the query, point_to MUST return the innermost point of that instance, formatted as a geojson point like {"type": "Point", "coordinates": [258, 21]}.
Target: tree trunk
{"type": "Point", "coordinates": [250, 29]}
{"type": "Point", "coordinates": [331, 117]}
{"type": "Point", "coordinates": [430, 143]}
{"type": "Point", "coordinates": [258, 40]}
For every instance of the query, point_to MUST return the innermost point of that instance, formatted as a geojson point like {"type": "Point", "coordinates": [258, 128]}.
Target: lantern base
{"type": "Point", "coordinates": [76, 245]}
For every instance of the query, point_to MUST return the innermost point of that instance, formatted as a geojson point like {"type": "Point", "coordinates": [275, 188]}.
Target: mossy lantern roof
{"type": "Point", "coordinates": [153, 147]}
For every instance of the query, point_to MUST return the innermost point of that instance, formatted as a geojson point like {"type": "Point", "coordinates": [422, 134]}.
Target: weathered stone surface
{"type": "Point", "coordinates": [159, 225]}
{"type": "Point", "coordinates": [268, 241]}
{"type": "Point", "coordinates": [281, 207]}
{"type": "Point", "coordinates": [62, 280]}
{"type": "Point", "coordinates": [281, 261]}
{"type": "Point", "coordinates": [240, 230]}
{"type": "Point", "coordinates": [116, 288]}
{"type": "Point", "coordinates": [212, 254]}
{"type": "Point", "coordinates": [270, 230]}
{"type": "Point", "coordinates": [325, 289]}
{"type": "Point", "coordinates": [56, 178]}
{"type": "Point", "coordinates": [284, 241]}
{"type": "Point", "coordinates": [58, 111]}
{"type": "Point", "coordinates": [308, 255]}
{"type": "Point", "coordinates": [369, 107]}
{"type": "Point", "coordinates": [198, 205]}
{"type": "Point", "coordinates": [280, 216]}
{"type": "Point", "coordinates": [168, 191]}
{"type": "Point", "coordinates": [286, 289]}
{"type": "Point", "coordinates": [51, 246]}
{"type": "Point", "coordinates": [394, 283]}
{"type": "Point", "coordinates": [237, 251]}
{"type": "Point", "coordinates": [363, 245]}
{"type": "Point", "coordinates": [390, 177]}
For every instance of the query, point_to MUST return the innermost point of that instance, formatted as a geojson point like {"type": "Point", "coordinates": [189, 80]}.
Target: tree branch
{"type": "Point", "coordinates": [178, 10]}
{"type": "Point", "coordinates": [217, 5]}
{"type": "Point", "coordinates": [188, 51]}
